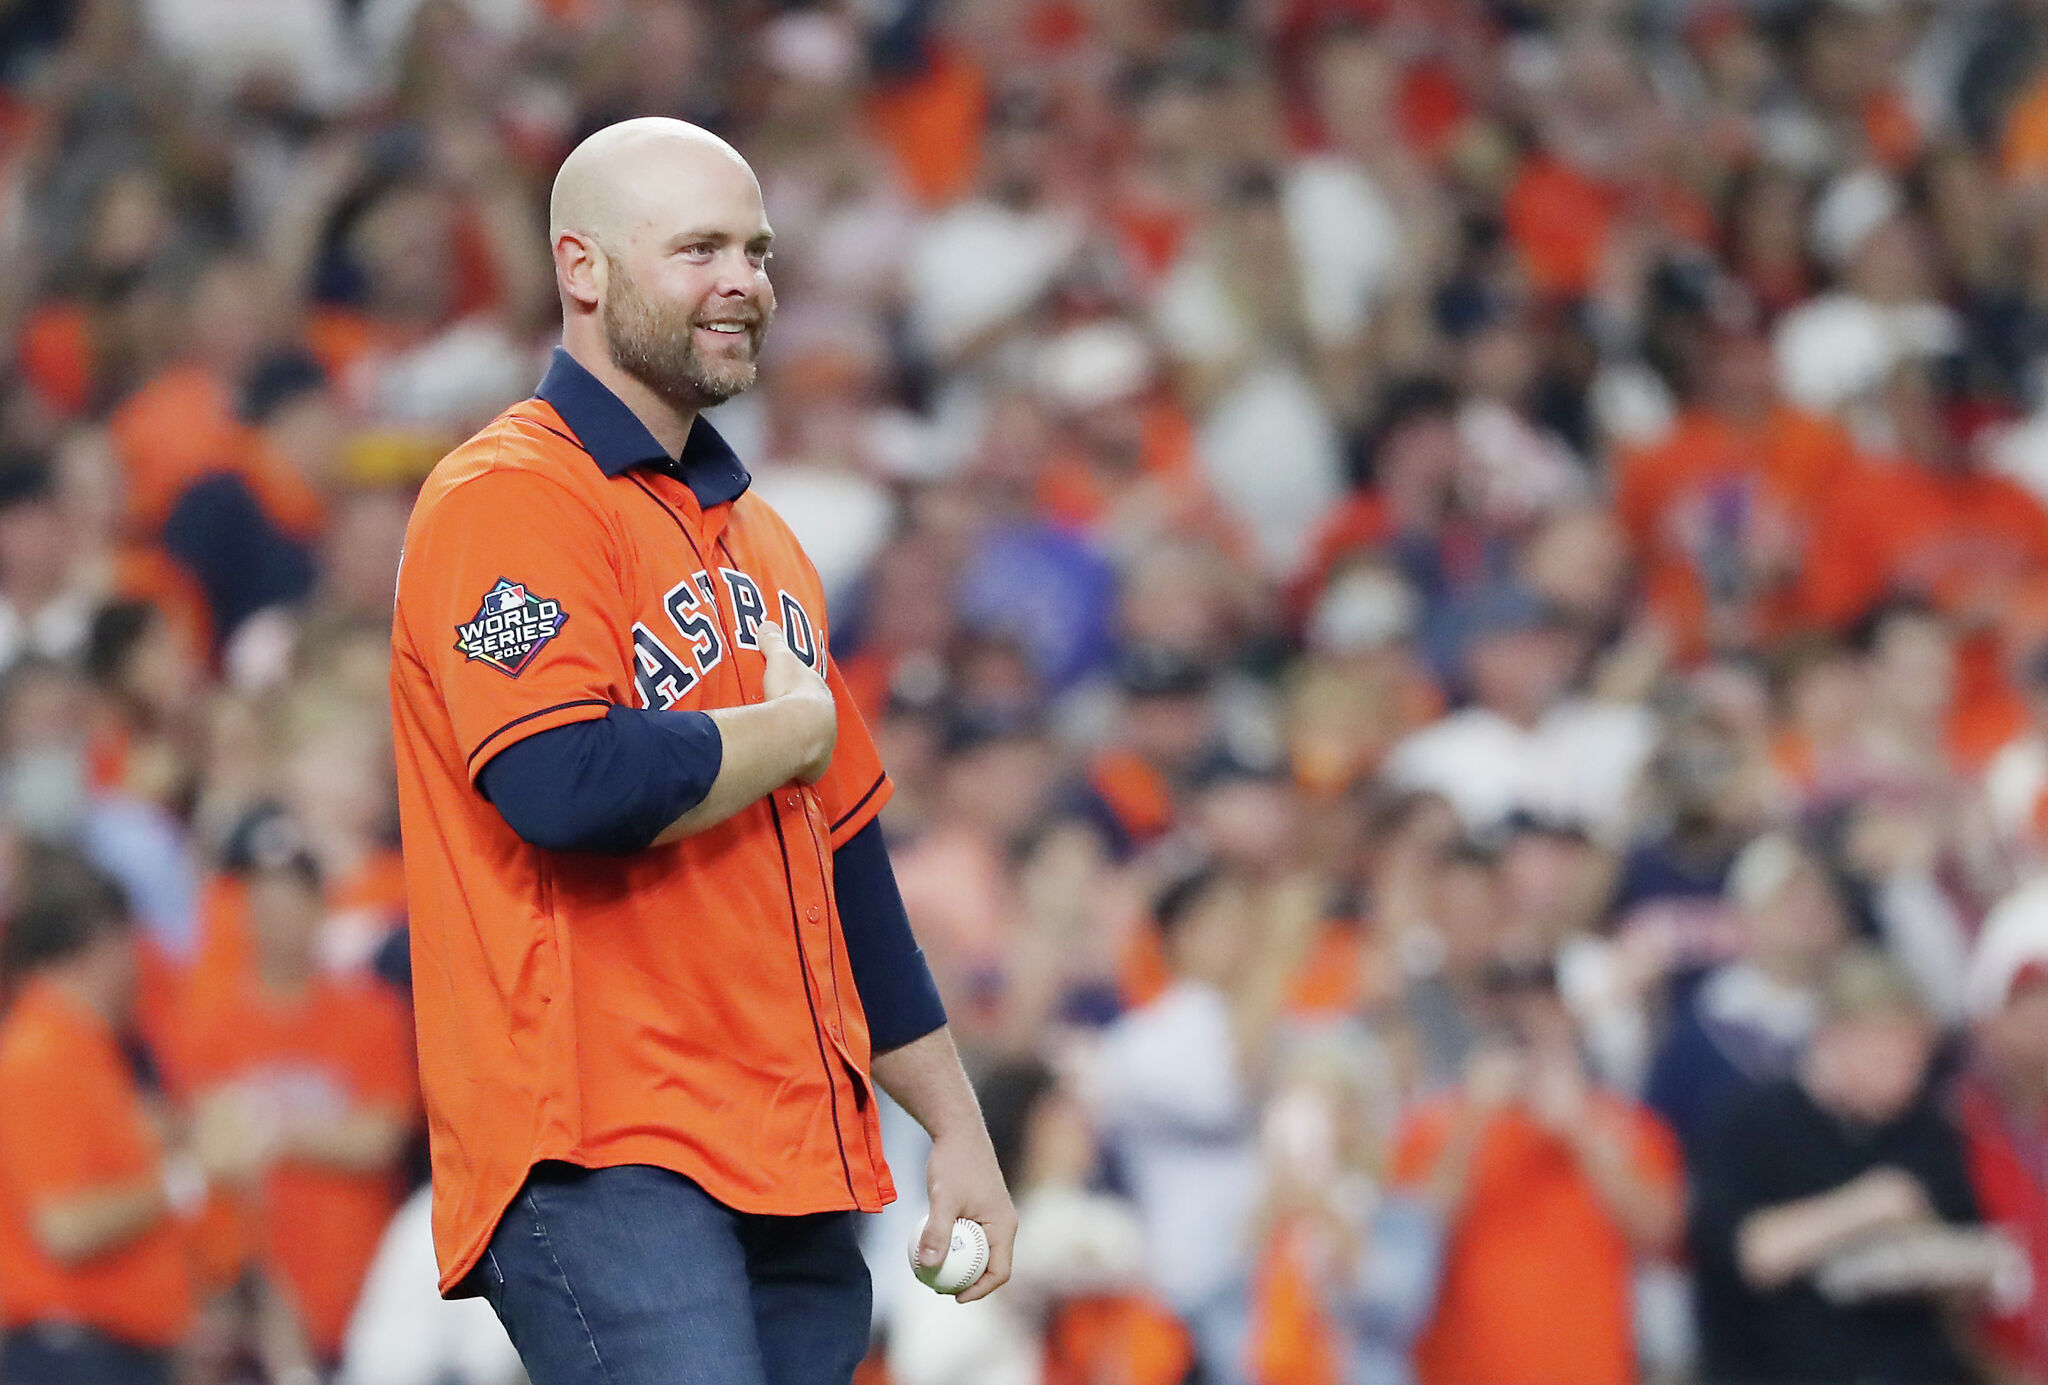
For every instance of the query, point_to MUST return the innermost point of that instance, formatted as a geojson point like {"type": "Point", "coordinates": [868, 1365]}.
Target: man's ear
{"type": "Point", "coordinates": [580, 268]}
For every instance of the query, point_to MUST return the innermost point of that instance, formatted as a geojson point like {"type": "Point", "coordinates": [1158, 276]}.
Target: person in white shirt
{"type": "Point", "coordinates": [1170, 1091]}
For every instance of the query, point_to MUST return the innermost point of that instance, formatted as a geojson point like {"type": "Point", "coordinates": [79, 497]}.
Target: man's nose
{"type": "Point", "coordinates": [736, 275]}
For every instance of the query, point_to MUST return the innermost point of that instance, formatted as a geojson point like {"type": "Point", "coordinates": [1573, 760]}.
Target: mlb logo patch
{"type": "Point", "coordinates": [510, 627]}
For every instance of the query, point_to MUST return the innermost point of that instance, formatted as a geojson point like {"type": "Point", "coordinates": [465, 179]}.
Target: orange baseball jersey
{"type": "Point", "coordinates": [344, 1045]}
{"type": "Point", "coordinates": [73, 1120]}
{"type": "Point", "coordinates": [688, 1006]}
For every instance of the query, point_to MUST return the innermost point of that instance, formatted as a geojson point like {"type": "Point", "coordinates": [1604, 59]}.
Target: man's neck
{"type": "Point", "coordinates": [669, 425]}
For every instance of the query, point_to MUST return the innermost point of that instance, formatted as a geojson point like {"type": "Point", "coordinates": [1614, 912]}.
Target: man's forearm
{"type": "Point", "coordinates": [1649, 1215]}
{"type": "Point", "coordinates": [962, 1177]}
{"type": "Point", "coordinates": [1778, 1244]}
{"type": "Point", "coordinates": [78, 1229]}
{"type": "Point", "coordinates": [365, 1140]}
{"type": "Point", "coordinates": [926, 1079]}
{"type": "Point", "coordinates": [765, 745]}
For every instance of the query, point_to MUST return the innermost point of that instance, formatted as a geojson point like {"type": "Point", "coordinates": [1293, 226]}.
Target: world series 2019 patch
{"type": "Point", "coordinates": [510, 627]}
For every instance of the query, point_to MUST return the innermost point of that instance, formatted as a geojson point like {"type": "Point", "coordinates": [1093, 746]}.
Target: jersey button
{"type": "Point", "coordinates": [795, 801]}
{"type": "Point", "coordinates": [813, 912]}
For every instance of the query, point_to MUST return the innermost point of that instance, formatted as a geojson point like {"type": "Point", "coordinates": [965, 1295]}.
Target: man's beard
{"type": "Point", "coordinates": [656, 344]}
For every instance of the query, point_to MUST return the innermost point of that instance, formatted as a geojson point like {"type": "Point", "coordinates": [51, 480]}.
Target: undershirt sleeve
{"type": "Point", "coordinates": [612, 784]}
{"type": "Point", "coordinates": [896, 987]}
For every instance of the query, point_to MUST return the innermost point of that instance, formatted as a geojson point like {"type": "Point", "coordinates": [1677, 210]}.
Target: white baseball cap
{"type": "Point", "coordinates": [1854, 206]}
{"type": "Point", "coordinates": [2012, 946]}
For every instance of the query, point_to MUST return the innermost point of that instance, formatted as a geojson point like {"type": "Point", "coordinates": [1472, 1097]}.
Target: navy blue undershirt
{"type": "Point", "coordinates": [613, 783]}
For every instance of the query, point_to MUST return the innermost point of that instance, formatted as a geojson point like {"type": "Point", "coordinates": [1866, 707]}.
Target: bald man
{"type": "Point", "coordinates": [659, 957]}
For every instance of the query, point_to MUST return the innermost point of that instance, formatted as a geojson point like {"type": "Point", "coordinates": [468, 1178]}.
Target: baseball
{"type": "Point", "coordinates": [966, 1258]}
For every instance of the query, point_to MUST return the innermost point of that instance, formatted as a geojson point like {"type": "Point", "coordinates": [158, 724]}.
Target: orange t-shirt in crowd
{"type": "Point", "coordinates": [343, 1046]}
{"type": "Point", "coordinates": [1712, 481]}
{"type": "Point", "coordinates": [1537, 1281]}
{"type": "Point", "coordinates": [1129, 1339]}
{"type": "Point", "coordinates": [932, 124]}
{"type": "Point", "coordinates": [1295, 1339]}
{"type": "Point", "coordinates": [1968, 543]}
{"type": "Point", "coordinates": [1559, 219]}
{"type": "Point", "coordinates": [175, 429]}
{"type": "Point", "coordinates": [369, 899]}
{"type": "Point", "coordinates": [688, 1006]}
{"type": "Point", "coordinates": [72, 1121]}
{"type": "Point", "coordinates": [1960, 540]}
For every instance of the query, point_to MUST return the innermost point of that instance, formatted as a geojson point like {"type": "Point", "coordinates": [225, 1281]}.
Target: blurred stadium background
{"type": "Point", "coordinates": [1426, 571]}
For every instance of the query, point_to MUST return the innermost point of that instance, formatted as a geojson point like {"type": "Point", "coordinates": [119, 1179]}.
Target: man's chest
{"type": "Point", "coordinates": [697, 596]}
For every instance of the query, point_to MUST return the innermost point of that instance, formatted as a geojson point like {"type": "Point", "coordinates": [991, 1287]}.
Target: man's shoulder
{"type": "Point", "coordinates": [521, 458]}
{"type": "Point", "coordinates": [525, 438]}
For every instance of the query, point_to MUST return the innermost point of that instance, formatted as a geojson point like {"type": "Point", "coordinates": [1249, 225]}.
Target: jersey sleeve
{"type": "Point", "coordinates": [510, 597]}
{"type": "Point", "coordinates": [856, 786]}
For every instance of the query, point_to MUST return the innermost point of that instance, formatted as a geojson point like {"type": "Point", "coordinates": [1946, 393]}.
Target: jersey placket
{"type": "Point", "coordinates": [809, 921]}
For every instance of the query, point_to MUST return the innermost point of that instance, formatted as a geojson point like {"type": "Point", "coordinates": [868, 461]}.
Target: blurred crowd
{"type": "Point", "coordinates": [1455, 591]}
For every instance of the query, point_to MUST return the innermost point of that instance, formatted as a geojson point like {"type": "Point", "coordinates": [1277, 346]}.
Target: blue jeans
{"type": "Point", "coordinates": [65, 1355]}
{"type": "Point", "coordinates": [636, 1276]}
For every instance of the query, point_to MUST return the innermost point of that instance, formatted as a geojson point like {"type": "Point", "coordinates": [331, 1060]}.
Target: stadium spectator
{"type": "Point", "coordinates": [1748, 1022]}
{"type": "Point", "coordinates": [2001, 1103]}
{"type": "Point", "coordinates": [1823, 1204]}
{"type": "Point", "coordinates": [1184, 1127]}
{"type": "Point", "coordinates": [325, 1067]}
{"type": "Point", "coordinates": [1550, 1188]}
{"type": "Point", "coordinates": [94, 1203]}
{"type": "Point", "coordinates": [1526, 741]}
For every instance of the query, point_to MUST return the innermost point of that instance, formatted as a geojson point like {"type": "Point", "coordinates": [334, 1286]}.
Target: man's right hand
{"type": "Point", "coordinates": [784, 676]}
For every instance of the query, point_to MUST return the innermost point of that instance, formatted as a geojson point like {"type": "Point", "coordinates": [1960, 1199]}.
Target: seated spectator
{"type": "Point", "coordinates": [1551, 1188]}
{"type": "Point", "coordinates": [93, 1278]}
{"type": "Point", "coordinates": [1720, 511]}
{"type": "Point", "coordinates": [2002, 1105]}
{"type": "Point", "coordinates": [1748, 1023]}
{"type": "Point", "coordinates": [326, 1066]}
{"type": "Point", "coordinates": [1526, 741]}
{"type": "Point", "coordinates": [1171, 1091]}
{"type": "Point", "coordinates": [1347, 1271]}
{"type": "Point", "coordinates": [1447, 949]}
{"type": "Point", "coordinates": [246, 533]}
{"type": "Point", "coordinates": [1821, 1204]}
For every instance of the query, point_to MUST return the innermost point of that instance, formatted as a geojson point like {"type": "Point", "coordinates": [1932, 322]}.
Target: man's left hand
{"type": "Point", "coordinates": [963, 1180]}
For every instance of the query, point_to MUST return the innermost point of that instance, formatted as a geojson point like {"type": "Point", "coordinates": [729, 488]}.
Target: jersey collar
{"type": "Point", "coordinates": [618, 441]}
